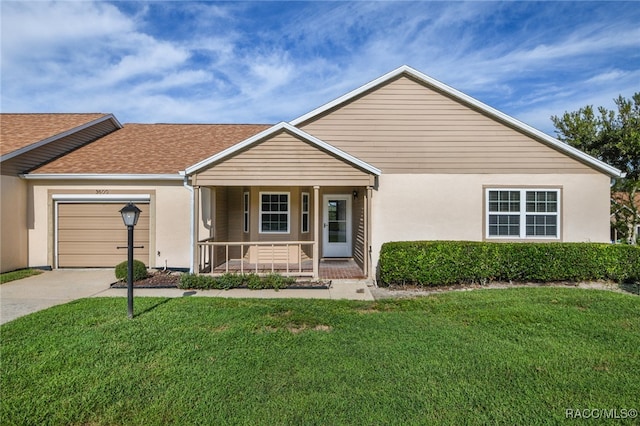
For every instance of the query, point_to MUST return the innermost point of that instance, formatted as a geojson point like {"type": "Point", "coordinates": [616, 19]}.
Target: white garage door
{"type": "Point", "coordinates": [89, 234]}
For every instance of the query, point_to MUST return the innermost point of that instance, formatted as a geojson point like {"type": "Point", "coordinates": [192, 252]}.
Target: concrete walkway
{"type": "Point", "coordinates": [22, 297]}
{"type": "Point", "coordinates": [340, 289]}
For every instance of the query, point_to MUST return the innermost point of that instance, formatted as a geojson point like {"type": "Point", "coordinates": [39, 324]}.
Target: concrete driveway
{"type": "Point", "coordinates": [28, 295]}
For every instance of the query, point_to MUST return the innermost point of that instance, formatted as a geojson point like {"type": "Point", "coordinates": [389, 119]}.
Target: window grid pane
{"type": "Point", "coordinates": [504, 201]}
{"type": "Point", "coordinates": [542, 225]}
{"type": "Point", "coordinates": [542, 202]}
{"type": "Point", "coordinates": [504, 225]}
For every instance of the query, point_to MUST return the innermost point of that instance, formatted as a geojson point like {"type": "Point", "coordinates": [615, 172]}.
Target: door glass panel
{"type": "Point", "coordinates": [337, 210]}
{"type": "Point", "coordinates": [337, 232]}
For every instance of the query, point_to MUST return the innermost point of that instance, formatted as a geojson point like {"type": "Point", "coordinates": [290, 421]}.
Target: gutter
{"type": "Point", "coordinates": [100, 176]}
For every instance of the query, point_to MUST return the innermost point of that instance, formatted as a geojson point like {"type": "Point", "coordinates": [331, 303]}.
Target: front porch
{"type": "Point", "coordinates": [282, 201]}
{"type": "Point", "coordinates": [314, 232]}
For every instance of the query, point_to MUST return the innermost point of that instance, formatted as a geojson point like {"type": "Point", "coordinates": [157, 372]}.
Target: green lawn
{"type": "Point", "coordinates": [18, 275]}
{"type": "Point", "coordinates": [516, 356]}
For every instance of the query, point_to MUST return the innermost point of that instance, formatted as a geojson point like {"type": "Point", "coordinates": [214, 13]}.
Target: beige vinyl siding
{"type": "Point", "coordinates": [283, 159]}
{"type": "Point", "coordinates": [358, 228]}
{"type": "Point", "coordinates": [38, 156]}
{"type": "Point", "coordinates": [221, 222]}
{"type": "Point", "coordinates": [275, 254]}
{"type": "Point", "coordinates": [406, 127]}
{"type": "Point", "coordinates": [89, 235]}
{"type": "Point", "coordinates": [234, 207]}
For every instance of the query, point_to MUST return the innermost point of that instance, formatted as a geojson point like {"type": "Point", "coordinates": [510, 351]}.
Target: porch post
{"type": "Point", "coordinates": [367, 239]}
{"type": "Point", "coordinates": [196, 227]}
{"type": "Point", "coordinates": [316, 226]}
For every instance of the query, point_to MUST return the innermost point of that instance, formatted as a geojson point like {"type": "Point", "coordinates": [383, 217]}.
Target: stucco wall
{"type": "Point", "coordinates": [450, 207]}
{"type": "Point", "coordinates": [170, 215]}
{"type": "Point", "coordinates": [13, 222]}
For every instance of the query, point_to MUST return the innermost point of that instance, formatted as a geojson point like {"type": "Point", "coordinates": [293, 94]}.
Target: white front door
{"type": "Point", "coordinates": [336, 226]}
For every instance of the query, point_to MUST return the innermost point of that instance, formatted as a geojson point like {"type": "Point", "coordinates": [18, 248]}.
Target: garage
{"type": "Point", "coordinates": [88, 234]}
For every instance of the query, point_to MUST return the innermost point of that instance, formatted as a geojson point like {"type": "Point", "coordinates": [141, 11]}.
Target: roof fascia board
{"type": "Point", "coordinates": [98, 176]}
{"type": "Point", "coordinates": [271, 131]}
{"type": "Point", "coordinates": [66, 133]}
{"type": "Point", "coordinates": [456, 94]}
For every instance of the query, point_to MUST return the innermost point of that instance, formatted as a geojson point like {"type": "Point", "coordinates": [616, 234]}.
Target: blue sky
{"type": "Point", "coordinates": [265, 62]}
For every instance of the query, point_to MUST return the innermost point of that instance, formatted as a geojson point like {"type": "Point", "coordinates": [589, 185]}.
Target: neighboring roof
{"type": "Point", "coordinates": [623, 198]}
{"type": "Point", "coordinates": [20, 133]}
{"type": "Point", "coordinates": [260, 137]}
{"type": "Point", "coordinates": [149, 149]}
{"type": "Point", "coordinates": [467, 100]}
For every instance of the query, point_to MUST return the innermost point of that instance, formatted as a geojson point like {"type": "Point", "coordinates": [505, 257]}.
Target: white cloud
{"type": "Point", "coordinates": [41, 28]}
{"type": "Point", "coordinates": [608, 76]}
{"type": "Point", "coordinates": [267, 73]}
{"type": "Point", "coordinates": [146, 56]}
{"type": "Point", "coordinates": [225, 62]}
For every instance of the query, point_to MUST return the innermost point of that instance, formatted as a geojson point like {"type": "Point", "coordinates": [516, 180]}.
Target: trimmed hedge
{"type": "Point", "coordinates": [229, 280]}
{"type": "Point", "coordinates": [434, 263]}
{"type": "Point", "coordinates": [139, 270]}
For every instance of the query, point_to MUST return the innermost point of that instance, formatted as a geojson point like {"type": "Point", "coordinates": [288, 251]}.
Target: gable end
{"type": "Point", "coordinates": [432, 128]}
{"type": "Point", "coordinates": [283, 158]}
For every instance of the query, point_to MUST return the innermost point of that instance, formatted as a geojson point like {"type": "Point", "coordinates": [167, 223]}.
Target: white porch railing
{"type": "Point", "coordinates": [291, 258]}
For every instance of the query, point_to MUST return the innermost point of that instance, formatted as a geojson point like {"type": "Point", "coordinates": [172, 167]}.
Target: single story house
{"type": "Point", "coordinates": [404, 157]}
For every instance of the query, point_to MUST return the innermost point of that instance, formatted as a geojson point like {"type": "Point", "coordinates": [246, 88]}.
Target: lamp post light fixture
{"type": "Point", "coordinates": [130, 214]}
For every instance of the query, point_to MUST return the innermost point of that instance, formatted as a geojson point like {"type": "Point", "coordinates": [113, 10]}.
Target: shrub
{"type": "Point", "coordinates": [199, 282]}
{"type": "Point", "coordinates": [139, 270]}
{"type": "Point", "coordinates": [227, 281]}
{"type": "Point", "coordinates": [231, 280]}
{"type": "Point", "coordinates": [277, 281]}
{"type": "Point", "coordinates": [434, 263]}
{"type": "Point", "coordinates": [253, 281]}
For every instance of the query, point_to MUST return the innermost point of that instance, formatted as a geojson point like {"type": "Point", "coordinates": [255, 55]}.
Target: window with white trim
{"type": "Point", "coordinates": [245, 210]}
{"type": "Point", "coordinates": [523, 213]}
{"type": "Point", "coordinates": [274, 212]}
{"type": "Point", "coordinates": [304, 220]}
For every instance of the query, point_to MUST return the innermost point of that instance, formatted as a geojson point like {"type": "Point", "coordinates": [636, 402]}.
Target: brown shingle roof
{"type": "Point", "coordinates": [21, 130]}
{"type": "Point", "coordinates": [152, 148]}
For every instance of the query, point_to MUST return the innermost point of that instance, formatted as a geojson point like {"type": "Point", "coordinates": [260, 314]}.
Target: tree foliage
{"type": "Point", "coordinates": [613, 137]}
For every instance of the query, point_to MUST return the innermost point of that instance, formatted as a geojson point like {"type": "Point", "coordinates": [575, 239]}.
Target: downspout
{"type": "Point", "coordinates": [185, 183]}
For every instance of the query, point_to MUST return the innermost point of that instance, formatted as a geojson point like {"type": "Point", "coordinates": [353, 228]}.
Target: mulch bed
{"type": "Point", "coordinates": [157, 279]}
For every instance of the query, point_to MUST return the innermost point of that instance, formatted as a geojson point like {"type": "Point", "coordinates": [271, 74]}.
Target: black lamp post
{"type": "Point", "coordinates": [130, 214]}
